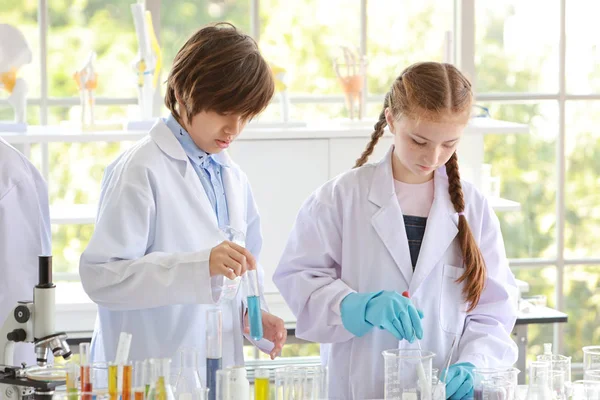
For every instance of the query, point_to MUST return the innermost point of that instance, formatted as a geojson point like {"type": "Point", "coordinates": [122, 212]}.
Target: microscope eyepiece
{"type": "Point", "coordinates": [45, 271]}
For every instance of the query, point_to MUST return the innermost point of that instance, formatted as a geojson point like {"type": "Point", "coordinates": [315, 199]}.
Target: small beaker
{"type": "Point", "coordinates": [320, 382]}
{"type": "Point", "coordinates": [586, 390]}
{"type": "Point", "coordinates": [407, 371]}
{"type": "Point", "coordinates": [591, 363]}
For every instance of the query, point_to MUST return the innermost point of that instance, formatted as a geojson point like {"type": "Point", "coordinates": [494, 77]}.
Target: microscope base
{"type": "Point", "coordinates": [14, 387]}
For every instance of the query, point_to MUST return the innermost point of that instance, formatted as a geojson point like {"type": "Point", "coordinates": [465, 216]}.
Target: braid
{"type": "Point", "coordinates": [475, 273]}
{"type": "Point", "coordinates": [377, 133]}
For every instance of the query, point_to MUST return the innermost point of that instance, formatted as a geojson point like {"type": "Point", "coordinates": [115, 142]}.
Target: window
{"type": "Point", "coordinates": [522, 75]}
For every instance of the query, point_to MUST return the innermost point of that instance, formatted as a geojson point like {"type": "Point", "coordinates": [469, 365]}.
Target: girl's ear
{"type": "Point", "coordinates": [389, 118]}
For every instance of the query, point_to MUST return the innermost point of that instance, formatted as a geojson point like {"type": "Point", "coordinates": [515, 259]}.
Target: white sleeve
{"type": "Point", "coordinates": [117, 273]}
{"type": "Point", "coordinates": [308, 274]}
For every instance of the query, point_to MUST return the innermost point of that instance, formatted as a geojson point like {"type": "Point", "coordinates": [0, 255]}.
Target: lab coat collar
{"type": "Point", "coordinates": [195, 153]}
{"type": "Point", "coordinates": [166, 141]}
{"type": "Point", "coordinates": [388, 222]}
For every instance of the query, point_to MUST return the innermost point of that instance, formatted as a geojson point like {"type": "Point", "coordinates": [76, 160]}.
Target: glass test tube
{"type": "Point", "coordinates": [127, 381]}
{"type": "Point", "coordinates": [72, 375]}
{"type": "Point", "coordinates": [261, 384]}
{"type": "Point", "coordinates": [113, 374]}
{"type": "Point", "coordinates": [254, 311]}
{"type": "Point", "coordinates": [85, 371]}
{"type": "Point", "coordinates": [139, 388]}
{"type": "Point", "coordinates": [214, 349]}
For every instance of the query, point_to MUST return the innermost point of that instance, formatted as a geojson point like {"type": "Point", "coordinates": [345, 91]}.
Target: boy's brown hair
{"type": "Point", "coordinates": [219, 69]}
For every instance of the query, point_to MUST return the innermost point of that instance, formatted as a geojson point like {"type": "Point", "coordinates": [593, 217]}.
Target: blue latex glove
{"type": "Point", "coordinates": [459, 381]}
{"type": "Point", "coordinates": [386, 309]}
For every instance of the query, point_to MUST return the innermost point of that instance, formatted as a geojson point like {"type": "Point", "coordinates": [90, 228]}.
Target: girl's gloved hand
{"type": "Point", "coordinates": [459, 381]}
{"type": "Point", "coordinates": [386, 309]}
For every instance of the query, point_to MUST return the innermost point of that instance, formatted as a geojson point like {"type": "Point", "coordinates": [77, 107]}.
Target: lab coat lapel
{"type": "Point", "coordinates": [388, 221]}
{"type": "Point", "coordinates": [163, 137]}
{"type": "Point", "coordinates": [441, 229]}
{"type": "Point", "coordinates": [236, 195]}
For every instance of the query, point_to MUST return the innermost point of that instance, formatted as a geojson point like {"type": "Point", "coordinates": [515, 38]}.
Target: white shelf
{"type": "Point", "coordinates": [500, 204]}
{"type": "Point", "coordinates": [73, 214]}
{"type": "Point", "coordinates": [325, 130]}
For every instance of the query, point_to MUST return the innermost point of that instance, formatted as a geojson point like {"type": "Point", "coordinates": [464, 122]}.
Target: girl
{"type": "Point", "coordinates": [406, 223]}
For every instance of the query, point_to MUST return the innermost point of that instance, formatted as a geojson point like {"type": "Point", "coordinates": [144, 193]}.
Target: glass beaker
{"type": "Point", "coordinates": [407, 371]}
{"type": "Point", "coordinates": [320, 383]}
{"type": "Point", "coordinates": [438, 388]}
{"type": "Point", "coordinates": [586, 390]}
{"type": "Point", "coordinates": [231, 286]}
{"type": "Point", "coordinates": [539, 381]}
{"type": "Point", "coordinates": [188, 379]}
{"type": "Point", "coordinates": [591, 363]}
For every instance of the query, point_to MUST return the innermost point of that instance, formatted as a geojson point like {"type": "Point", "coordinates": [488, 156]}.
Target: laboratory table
{"type": "Point", "coordinates": [537, 315]}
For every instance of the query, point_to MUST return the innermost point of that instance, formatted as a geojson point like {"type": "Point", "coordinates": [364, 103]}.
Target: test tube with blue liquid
{"type": "Point", "coordinates": [253, 299]}
{"type": "Point", "coordinates": [214, 349]}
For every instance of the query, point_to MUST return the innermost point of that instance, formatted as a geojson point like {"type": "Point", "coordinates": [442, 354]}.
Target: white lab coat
{"type": "Point", "coordinates": [147, 263]}
{"type": "Point", "coordinates": [349, 237]}
{"type": "Point", "coordinates": [24, 235]}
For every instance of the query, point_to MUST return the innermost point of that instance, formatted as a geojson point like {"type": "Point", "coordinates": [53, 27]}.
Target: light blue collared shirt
{"type": "Point", "coordinates": [209, 170]}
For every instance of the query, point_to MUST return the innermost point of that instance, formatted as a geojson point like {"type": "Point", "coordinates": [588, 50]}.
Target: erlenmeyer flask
{"type": "Point", "coordinates": [539, 381]}
{"type": "Point", "coordinates": [188, 379]}
{"type": "Point", "coordinates": [164, 390]}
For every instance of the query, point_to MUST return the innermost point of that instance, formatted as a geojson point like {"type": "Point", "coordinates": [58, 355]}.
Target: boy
{"type": "Point", "coordinates": [157, 259]}
{"type": "Point", "coordinates": [24, 235]}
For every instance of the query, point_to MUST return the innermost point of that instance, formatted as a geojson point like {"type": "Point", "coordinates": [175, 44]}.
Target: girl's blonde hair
{"type": "Point", "coordinates": [434, 91]}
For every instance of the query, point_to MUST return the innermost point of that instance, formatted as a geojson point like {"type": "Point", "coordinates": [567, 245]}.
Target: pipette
{"type": "Point", "coordinates": [449, 360]}
{"type": "Point", "coordinates": [424, 382]}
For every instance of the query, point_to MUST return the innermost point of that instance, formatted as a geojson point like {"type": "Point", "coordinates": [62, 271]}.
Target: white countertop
{"type": "Point", "coordinates": [316, 130]}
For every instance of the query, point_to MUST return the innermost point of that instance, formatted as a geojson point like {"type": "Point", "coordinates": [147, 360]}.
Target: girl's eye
{"type": "Point", "coordinates": [419, 143]}
{"type": "Point", "coordinates": [449, 146]}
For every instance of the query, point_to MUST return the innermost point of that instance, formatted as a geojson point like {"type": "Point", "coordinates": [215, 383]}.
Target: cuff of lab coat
{"type": "Point", "coordinates": [477, 360]}
{"type": "Point", "coordinates": [207, 291]}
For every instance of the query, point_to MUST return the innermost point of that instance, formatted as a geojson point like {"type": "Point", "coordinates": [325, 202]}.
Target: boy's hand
{"type": "Point", "coordinates": [230, 260]}
{"type": "Point", "coordinates": [273, 330]}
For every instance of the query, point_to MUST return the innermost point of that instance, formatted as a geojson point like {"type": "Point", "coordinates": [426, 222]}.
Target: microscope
{"type": "Point", "coordinates": [32, 322]}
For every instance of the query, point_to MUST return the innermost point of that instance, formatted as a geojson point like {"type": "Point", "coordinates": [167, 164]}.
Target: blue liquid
{"type": "Point", "coordinates": [255, 317]}
{"type": "Point", "coordinates": [212, 366]}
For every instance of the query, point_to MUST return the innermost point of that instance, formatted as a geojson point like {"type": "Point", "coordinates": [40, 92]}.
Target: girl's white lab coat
{"type": "Point", "coordinates": [24, 235]}
{"type": "Point", "coordinates": [349, 236]}
{"type": "Point", "coordinates": [147, 263]}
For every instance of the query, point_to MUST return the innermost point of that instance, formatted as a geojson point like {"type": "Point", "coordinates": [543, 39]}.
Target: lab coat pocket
{"type": "Point", "coordinates": [453, 308]}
